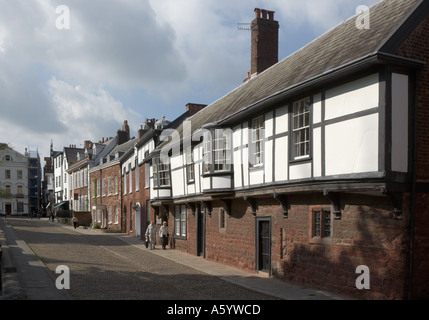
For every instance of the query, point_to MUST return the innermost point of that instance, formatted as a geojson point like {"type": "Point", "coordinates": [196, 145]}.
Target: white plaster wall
{"type": "Point", "coordinates": [317, 152]}
{"type": "Point", "coordinates": [352, 97]}
{"type": "Point", "coordinates": [300, 171]}
{"type": "Point", "coordinates": [280, 161]}
{"type": "Point", "coordinates": [281, 120]}
{"type": "Point", "coordinates": [352, 146]}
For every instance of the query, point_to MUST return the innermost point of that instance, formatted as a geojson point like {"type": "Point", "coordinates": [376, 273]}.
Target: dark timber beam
{"type": "Point", "coordinates": [208, 206]}
{"type": "Point", "coordinates": [334, 198]}
{"type": "Point", "coordinates": [396, 200]}
{"type": "Point", "coordinates": [228, 205]}
{"type": "Point", "coordinates": [191, 205]}
{"type": "Point", "coordinates": [283, 200]}
{"type": "Point", "coordinates": [253, 203]}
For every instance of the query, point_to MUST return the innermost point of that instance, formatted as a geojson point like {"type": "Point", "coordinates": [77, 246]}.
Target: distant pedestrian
{"type": "Point", "coordinates": [151, 234]}
{"type": "Point", "coordinates": [75, 222]}
{"type": "Point", "coordinates": [163, 233]}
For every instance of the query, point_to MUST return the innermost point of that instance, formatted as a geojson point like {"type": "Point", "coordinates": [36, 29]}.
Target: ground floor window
{"type": "Point", "coordinates": [20, 207]}
{"type": "Point", "coordinates": [321, 223]}
{"type": "Point", "coordinates": [180, 221]}
{"type": "Point", "coordinates": [116, 215]}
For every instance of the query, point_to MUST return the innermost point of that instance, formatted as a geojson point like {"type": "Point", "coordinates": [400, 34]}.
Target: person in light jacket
{"type": "Point", "coordinates": [163, 233]}
{"type": "Point", "coordinates": [151, 234]}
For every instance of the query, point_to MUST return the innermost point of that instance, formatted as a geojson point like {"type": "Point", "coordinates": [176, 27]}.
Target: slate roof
{"type": "Point", "coordinates": [343, 45]}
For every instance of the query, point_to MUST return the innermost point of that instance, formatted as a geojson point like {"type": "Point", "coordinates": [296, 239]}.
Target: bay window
{"type": "Point", "coordinates": [161, 173]}
{"type": "Point", "coordinates": [217, 151]}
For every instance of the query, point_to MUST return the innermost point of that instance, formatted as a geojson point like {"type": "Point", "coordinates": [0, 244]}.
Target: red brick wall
{"type": "Point", "coordinates": [235, 245]}
{"type": "Point", "coordinates": [366, 234]}
{"type": "Point", "coordinates": [185, 245]}
{"type": "Point", "coordinates": [109, 200]}
{"type": "Point", "coordinates": [135, 197]}
{"type": "Point", "coordinates": [417, 47]}
{"type": "Point", "coordinates": [84, 218]}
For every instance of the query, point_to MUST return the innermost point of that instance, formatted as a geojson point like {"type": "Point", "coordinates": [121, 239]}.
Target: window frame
{"type": "Point", "coordinates": [180, 221]}
{"type": "Point", "coordinates": [301, 122]}
{"type": "Point", "coordinates": [319, 236]}
{"type": "Point", "coordinates": [157, 164]}
{"type": "Point", "coordinates": [190, 166]}
{"type": "Point", "coordinates": [217, 152]}
{"type": "Point", "coordinates": [256, 130]}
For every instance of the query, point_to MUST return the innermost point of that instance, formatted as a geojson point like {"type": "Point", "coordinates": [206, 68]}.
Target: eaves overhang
{"type": "Point", "coordinates": [346, 70]}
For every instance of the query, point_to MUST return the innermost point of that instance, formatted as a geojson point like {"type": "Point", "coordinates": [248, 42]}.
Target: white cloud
{"type": "Point", "coordinates": [87, 114]}
{"type": "Point", "coordinates": [67, 85]}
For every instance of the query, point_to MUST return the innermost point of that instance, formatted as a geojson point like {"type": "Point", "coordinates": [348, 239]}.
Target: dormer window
{"type": "Point", "coordinates": [7, 158]}
{"type": "Point", "coordinates": [161, 173]}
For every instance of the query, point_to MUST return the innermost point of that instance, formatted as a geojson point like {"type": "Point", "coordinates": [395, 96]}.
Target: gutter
{"type": "Point", "coordinates": [370, 60]}
{"type": "Point", "coordinates": [413, 191]}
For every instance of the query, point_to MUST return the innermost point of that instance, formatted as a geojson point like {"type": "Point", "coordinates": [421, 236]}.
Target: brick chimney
{"type": "Point", "coordinates": [265, 41]}
{"type": "Point", "coordinates": [124, 134]}
{"type": "Point", "coordinates": [193, 108]}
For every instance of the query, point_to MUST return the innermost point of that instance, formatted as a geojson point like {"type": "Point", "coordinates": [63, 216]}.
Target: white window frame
{"type": "Point", "coordinates": [180, 221]}
{"type": "Point", "coordinates": [301, 140]}
{"type": "Point", "coordinates": [257, 141]}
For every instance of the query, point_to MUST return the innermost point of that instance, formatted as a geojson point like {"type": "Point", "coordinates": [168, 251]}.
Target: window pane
{"type": "Point", "coordinates": [317, 223]}
{"type": "Point", "coordinates": [327, 226]}
{"type": "Point", "coordinates": [301, 127]}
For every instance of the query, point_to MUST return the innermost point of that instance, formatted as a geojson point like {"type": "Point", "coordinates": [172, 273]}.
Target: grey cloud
{"type": "Point", "coordinates": [121, 44]}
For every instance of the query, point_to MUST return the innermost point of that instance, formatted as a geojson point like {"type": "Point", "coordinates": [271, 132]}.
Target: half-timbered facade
{"type": "Point", "coordinates": [309, 169]}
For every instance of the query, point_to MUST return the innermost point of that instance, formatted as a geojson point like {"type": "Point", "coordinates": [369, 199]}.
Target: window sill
{"type": "Point", "coordinates": [217, 173]}
{"type": "Point", "coordinates": [256, 167]}
{"type": "Point", "coordinates": [300, 160]}
{"type": "Point", "coordinates": [320, 240]}
{"type": "Point", "coordinates": [162, 187]}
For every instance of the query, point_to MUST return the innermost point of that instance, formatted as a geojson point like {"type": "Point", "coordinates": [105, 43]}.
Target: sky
{"type": "Point", "coordinates": [74, 70]}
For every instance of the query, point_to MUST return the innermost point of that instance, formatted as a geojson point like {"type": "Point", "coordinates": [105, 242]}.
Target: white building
{"type": "Point", "coordinates": [13, 182]}
{"type": "Point", "coordinates": [312, 167]}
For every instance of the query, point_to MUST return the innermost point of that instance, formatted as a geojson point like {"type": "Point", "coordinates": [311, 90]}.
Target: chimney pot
{"type": "Point", "coordinates": [264, 41]}
{"type": "Point", "coordinates": [257, 13]}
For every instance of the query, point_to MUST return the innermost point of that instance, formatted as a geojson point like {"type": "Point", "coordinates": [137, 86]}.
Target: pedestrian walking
{"type": "Point", "coordinates": [163, 233]}
{"type": "Point", "coordinates": [151, 234]}
{"type": "Point", "coordinates": [75, 222]}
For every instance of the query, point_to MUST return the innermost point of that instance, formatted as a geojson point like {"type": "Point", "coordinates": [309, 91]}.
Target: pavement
{"type": "Point", "coordinates": [24, 276]}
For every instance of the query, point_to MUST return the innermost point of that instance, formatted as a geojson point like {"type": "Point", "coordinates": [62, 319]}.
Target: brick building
{"type": "Point", "coordinates": [105, 183]}
{"type": "Point", "coordinates": [316, 165]}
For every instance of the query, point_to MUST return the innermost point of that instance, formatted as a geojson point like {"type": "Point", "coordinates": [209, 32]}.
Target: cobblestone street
{"type": "Point", "coordinates": [102, 266]}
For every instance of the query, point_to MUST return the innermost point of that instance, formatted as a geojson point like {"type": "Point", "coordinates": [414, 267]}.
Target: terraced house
{"type": "Point", "coordinates": [316, 164]}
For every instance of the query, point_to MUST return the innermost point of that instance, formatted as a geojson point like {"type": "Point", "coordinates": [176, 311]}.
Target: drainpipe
{"type": "Point", "coordinates": [413, 190]}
